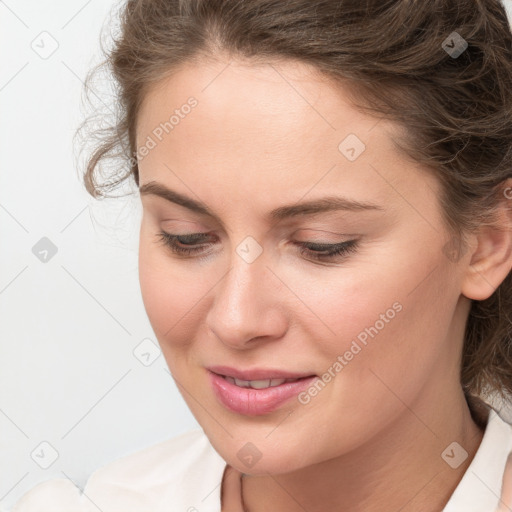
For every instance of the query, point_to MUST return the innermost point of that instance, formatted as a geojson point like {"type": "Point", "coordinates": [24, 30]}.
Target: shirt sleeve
{"type": "Point", "coordinates": [58, 495]}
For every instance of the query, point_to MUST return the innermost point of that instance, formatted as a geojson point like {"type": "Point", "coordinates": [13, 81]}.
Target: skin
{"type": "Point", "coordinates": [263, 136]}
{"type": "Point", "coordinates": [233, 486]}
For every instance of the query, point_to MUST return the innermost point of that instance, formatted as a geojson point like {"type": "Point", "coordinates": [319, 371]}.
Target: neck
{"type": "Point", "coordinates": [402, 469]}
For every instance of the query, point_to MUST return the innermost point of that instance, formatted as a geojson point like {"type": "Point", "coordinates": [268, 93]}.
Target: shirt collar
{"type": "Point", "coordinates": [479, 490]}
{"type": "Point", "coordinates": [480, 487]}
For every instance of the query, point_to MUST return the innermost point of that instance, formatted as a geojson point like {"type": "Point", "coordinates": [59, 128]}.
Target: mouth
{"type": "Point", "coordinates": [262, 391]}
{"type": "Point", "coordinates": [258, 378]}
{"type": "Point", "coordinates": [260, 383]}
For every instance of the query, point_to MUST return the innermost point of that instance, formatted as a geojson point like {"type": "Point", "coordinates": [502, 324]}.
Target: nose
{"type": "Point", "coordinates": [247, 305]}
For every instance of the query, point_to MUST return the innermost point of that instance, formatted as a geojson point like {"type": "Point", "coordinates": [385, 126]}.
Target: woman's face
{"type": "Point", "coordinates": [380, 325]}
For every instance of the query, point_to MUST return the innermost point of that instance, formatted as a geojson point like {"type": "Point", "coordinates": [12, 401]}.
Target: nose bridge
{"type": "Point", "coordinates": [244, 285]}
{"type": "Point", "coordinates": [247, 268]}
{"type": "Point", "coordinates": [244, 303]}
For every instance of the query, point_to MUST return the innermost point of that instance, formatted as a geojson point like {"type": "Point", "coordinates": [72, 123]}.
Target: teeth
{"type": "Point", "coordinates": [258, 384]}
{"type": "Point", "coordinates": [278, 382]}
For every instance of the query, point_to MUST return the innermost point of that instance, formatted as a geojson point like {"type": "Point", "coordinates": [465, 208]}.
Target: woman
{"type": "Point", "coordinates": [325, 253]}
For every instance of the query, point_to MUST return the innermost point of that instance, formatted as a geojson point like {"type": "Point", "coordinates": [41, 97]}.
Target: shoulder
{"type": "Point", "coordinates": [57, 495]}
{"type": "Point", "coordinates": [176, 471]}
{"type": "Point", "coordinates": [172, 457]}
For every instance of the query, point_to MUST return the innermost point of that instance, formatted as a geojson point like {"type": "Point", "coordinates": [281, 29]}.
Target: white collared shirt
{"type": "Point", "coordinates": [184, 474]}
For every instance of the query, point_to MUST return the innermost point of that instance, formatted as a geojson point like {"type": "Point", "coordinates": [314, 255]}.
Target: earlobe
{"type": "Point", "coordinates": [491, 260]}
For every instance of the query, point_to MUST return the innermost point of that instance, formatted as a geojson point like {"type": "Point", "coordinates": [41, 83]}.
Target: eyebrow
{"type": "Point", "coordinates": [321, 205]}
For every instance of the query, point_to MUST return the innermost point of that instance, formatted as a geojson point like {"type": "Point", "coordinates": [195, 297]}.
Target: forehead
{"type": "Point", "coordinates": [259, 106]}
{"type": "Point", "coordinates": [266, 129]}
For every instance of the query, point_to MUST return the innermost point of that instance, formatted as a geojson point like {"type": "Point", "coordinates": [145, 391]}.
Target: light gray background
{"type": "Point", "coordinates": [68, 375]}
{"type": "Point", "coordinates": [69, 326]}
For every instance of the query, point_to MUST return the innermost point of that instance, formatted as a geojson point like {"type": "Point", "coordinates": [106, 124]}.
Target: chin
{"type": "Point", "coordinates": [259, 457]}
{"type": "Point", "coordinates": [274, 465]}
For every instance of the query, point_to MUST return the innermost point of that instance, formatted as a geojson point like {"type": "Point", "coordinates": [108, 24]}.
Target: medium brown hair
{"type": "Point", "coordinates": [393, 55]}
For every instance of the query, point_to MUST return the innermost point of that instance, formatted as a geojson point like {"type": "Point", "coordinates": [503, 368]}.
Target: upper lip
{"type": "Point", "coordinates": [257, 373]}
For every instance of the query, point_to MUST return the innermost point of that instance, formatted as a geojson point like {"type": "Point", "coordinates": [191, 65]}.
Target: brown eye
{"type": "Point", "coordinates": [189, 244]}
{"type": "Point", "coordinates": [172, 241]}
{"type": "Point", "coordinates": [327, 251]}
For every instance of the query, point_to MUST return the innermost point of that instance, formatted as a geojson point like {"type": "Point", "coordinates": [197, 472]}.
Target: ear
{"type": "Point", "coordinates": [491, 259]}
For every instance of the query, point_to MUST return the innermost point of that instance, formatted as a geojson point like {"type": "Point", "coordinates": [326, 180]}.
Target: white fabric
{"type": "Point", "coordinates": [185, 474]}
{"type": "Point", "coordinates": [480, 487]}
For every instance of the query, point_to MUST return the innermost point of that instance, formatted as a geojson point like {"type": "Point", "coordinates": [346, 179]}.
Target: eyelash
{"type": "Point", "coordinates": [333, 250]}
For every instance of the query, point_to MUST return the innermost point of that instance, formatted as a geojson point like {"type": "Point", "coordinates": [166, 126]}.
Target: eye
{"type": "Point", "coordinates": [191, 240]}
{"type": "Point", "coordinates": [327, 251]}
{"type": "Point", "coordinates": [190, 244]}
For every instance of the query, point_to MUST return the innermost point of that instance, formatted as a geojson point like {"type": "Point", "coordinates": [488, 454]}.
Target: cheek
{"type": "Point", "coordinates": [170, 295]}
{"type": "Point", "coordinates": [393, 328]}
{"type": "Point", "coordinates": [391, 318]}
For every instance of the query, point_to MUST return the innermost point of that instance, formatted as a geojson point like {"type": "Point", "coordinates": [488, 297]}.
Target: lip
{"type": "Point", "coordinates": [257, 373]}
{"type": "Point", "coordinates": [255, 402]}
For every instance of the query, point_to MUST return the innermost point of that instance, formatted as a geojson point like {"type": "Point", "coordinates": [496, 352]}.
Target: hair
{"type": "Point", "coordinates": [454, 112]}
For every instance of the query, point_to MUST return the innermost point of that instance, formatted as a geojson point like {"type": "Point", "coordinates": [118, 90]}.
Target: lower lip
{"type": "Point", "coordinates": [253, 402]}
